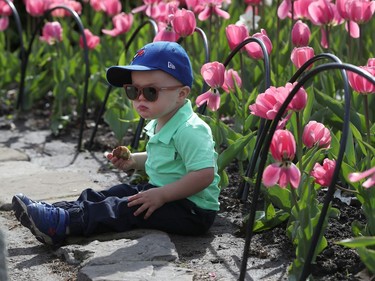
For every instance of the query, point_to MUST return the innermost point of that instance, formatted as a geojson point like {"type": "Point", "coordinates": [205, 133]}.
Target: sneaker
{"type": "Point", "coordinates": [19, 206]}
{"type": "Point", "coordinates": [48, 223]}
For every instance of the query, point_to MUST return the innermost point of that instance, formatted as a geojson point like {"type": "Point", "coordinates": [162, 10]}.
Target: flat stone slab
{"type": "Point", "coordinates": [8, 154]}
{"type": "Point", "coordinates": [148, 257]}
{"type": "Point", "coordinates": [39, 183]}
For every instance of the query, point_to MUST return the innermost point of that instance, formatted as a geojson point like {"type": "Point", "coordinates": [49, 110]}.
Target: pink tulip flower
{"type": "Point", "coordinates": [360, 11]}
{"type": "Point", "coordinates": [301, 55]}
{"type": "Point", "coordinates": [350, 26]}
{"type": "Point", "coordinates": [92, 40]}
{"type": "Point", "coordinates": [236, 34]}
{"type": "Point", "coordinates": [268, 103]}
{"type": "Point", "coordinates": [359, 83]}
{"type": "Point", "coordinates": [166, 33]}
{"type": "Point", "coordinates": [5, 9]}
{"type": "Point", "coordinates": [213, 75]}
{"type": "Point", "coordinates": [36, 8]}
{"type": "Point", "coordinates": [299, 100]}
{"type": "Point", "coordinates": [323, 173]}
{"type": "Point", "coordinates": [111, 7]}
{"type": "Point", "coordinates": [284, 171]}
{"type": "Point", "coordinates": [371, 62]}
{"type": "Point", "coordinates": [354, 177]}
{"type": "Point", "coordinates": [52, 33]}
{"type": "Point", "coordinates": [230, 77]}
{"type": "Point", "coordinates": [122, 24]}
{"type": "Point", "coordinates": [4, 23]}
{"type": "Point", "coordinates": [300, 34]}
{"type": "Point", "coordinates": [253, 48]}
{"type": "Point", "coordinates": [74, 5]}
{"type": "Point", "coordinates": [150, 8]}
{"type": "Point", "coordinates": [184, 22]}
{"type": "Point", "coordinates": [211, 98]}
{"type": "Point", "coordinates": [316, 133]}
{"type": "Point", "coordinates": [212, 7]}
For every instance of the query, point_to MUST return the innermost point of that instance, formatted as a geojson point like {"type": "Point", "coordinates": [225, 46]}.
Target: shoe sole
{"type": "Point", "coordinates": [20, 211]}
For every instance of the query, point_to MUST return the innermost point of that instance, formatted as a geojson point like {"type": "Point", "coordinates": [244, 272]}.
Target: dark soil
{"type": "Point", "coordinates": [334, 263]}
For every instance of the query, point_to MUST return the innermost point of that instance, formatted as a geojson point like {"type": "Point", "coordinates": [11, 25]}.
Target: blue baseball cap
{"type": "Point", "coordinates": [169, 57]}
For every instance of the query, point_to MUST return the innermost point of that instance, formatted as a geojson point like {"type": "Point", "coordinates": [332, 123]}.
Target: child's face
{"type": "Point", "coordinates": [168, 101]}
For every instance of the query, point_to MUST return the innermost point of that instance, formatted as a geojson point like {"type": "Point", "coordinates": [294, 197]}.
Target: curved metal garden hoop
{"type": "Point", "coordinates": [86, 59]}
{"type": "Point", "coordinates": [22, 49]}
{"type": "Point", "coordinates": [331, 189]}
{"type": "Point", "coordinates": [109, 89]}
{"type": "Point", "coordinates": [243, 189]}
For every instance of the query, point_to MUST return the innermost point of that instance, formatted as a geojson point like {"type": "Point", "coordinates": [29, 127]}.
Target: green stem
{"type": "Point", "coordinates": [368, 133]}
{"type": "Point", "coordinates": [295, 199]}
{"type": "Point", "coordinates": [299, 141]}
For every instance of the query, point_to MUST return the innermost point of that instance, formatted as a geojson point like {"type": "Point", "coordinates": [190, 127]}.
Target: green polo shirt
{"type": "Point", "coordinates": [184, 144]}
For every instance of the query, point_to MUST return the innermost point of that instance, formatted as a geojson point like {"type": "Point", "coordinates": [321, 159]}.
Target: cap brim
{"type": "Point", "coordinates": [117, 76]}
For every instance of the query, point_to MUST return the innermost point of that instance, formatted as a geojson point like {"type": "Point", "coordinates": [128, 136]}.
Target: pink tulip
{"type": "Point", "coordinates": [316, 133]}
{"type": "Point", "coordinates": [122, 24]}
{"type": "Point", "coordinates": [150, 8]}
{"type": "Point", "coordinates": [360, 11]}
{"type": "Point", "coordinates": [166, 33]}
{"type": "Point", "coordinates": [323, 173]}
{"type": "Point", "coordinates": [52, 33]}
{"type": "Point", "coordinates": [323, 12]}
{"type": "Point", "coordinates": [235, 35]}
{"type": "Point", "coordinates": [253, 48]}
{"type": "Point", "coordinates": [354, 177]}
{"type": "Point", "coordinates": [213, 74]}
{"type": "Point", "coordinates": [284, 171]}
{"type": "Point", "coordinates": [36, 8]}
{"type": "Point", "coordinates": [301, 55]}
{"type": "Point", "coordinates": [230, 77]}
{"type": "Point", "coordinates": [96, 5]}
{"type": "Point", "coordinates": [351, 26]}
{"type": "Point", "coordinates": [253, 2]}
{"type": "Point", "coordinates": [92, 40]}
{"type": "Point", "coordinates": [359, 83]}
{"type": "Point", "coordinates": [301, 8]}
{"type": "Point", "coordinates": [184, 22]}
{"type": "Point", "coordinates": [211, 98]}
{"type": "Point", "coordinates": [4, 23]}
{"type": "Point", "coordinates": [284, 8]}
{"type": "Point", "coordinates": [212, 7]}
{"type": "Point", "coordinates": [268, 103]}
{"type": "Point", "coordinates": [111, 7]}
{"type": "Point", "coordinates": [300, 34]}
{"type": "Point", "coordinates": [5, 9]}
{"type": "Point", "coordinates": [299, 100]}
{"type": "Point", "coordinates": [74, 5]}
{"type": "Point", "coordinates": [371, 62]}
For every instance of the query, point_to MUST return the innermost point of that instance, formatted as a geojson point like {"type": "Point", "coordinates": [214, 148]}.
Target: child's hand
{"type": "Point", "coordinates": [121, 163]}
{"type": "Point", "coordinates": [149, 200]}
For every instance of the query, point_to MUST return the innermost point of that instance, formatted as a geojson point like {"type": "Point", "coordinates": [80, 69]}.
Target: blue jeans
{"type": "Point", "coordinates": [107, 211]}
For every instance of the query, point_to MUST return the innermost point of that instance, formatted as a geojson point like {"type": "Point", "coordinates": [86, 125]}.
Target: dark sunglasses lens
{"type": "Point", "coordinates": [131, 92]}
{"type": "Point", "coordinates": [150, 93]}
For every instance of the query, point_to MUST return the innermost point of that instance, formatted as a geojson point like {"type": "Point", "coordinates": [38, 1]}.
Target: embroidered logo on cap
{"type": "Point", "coordinates": [138, 54]}
{"type": "Point", "coordinates": [171, 65]}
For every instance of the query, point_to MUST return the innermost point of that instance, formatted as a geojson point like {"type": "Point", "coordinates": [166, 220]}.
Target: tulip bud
{"type": "Point", "coordinates": [300, 34]}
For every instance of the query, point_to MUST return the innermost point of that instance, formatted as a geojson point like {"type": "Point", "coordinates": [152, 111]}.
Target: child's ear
{"type": "Point", "coordinates": [184, 92]}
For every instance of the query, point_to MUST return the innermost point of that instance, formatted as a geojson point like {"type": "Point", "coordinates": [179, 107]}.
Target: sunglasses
{"type": "Point", "coordinates": [150, 93]}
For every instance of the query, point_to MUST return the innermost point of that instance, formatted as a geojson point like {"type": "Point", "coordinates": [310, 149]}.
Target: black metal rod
{"type": "Point", "coordinates": [267, 142]}
{"type": "Point", "coordinates": [22, 51]}
{"type": "Point", "coordinates": [86, 59]}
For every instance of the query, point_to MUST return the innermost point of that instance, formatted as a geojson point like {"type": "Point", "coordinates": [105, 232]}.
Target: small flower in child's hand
{"type": "Point", "coordinates": [354, 177]}
{"type": "Point", "coordinates": [323, 174]}
{"type": "Point", "coordinates": [121, 152]}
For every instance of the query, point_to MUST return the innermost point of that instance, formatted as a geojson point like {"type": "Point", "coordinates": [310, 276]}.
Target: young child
{"type": "Point", "coordinates": [182, 193]}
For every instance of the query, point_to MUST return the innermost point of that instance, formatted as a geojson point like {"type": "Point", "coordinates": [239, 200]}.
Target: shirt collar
{"type": "Point", "coordinates": [166, 133]}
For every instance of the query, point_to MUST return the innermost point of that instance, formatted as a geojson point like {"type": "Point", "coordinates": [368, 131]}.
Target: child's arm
{"type": "Point", "coordinates": [188, 185]}
{"type": "Point", "coordinates": [136, 161]}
